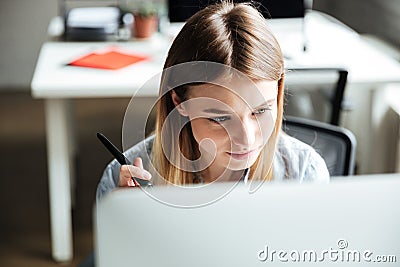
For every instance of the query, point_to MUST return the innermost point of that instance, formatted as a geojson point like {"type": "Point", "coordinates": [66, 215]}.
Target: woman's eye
{"type": "Point", "coordinates": [219, 119]}
{"type": "Point", "coordinates": [260, 111]}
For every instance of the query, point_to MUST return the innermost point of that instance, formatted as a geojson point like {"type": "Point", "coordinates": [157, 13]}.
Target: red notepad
{"type": "Point", "coordinates": [111, 59]}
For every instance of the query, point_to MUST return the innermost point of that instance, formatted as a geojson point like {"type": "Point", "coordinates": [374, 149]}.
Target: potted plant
{"type": "Point", "coordinates": [145, 13]}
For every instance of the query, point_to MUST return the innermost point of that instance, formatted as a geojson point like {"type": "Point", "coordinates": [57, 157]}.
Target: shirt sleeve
{"type": "Point", "coordinates": [315, 168]}
{"type": "Point", "coordinates": [295, 160]}
{"type": "Point", "coordinates": [108, 181]}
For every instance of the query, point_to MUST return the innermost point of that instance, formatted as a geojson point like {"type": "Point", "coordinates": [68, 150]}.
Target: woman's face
{"type": "Point", "coordinates": [232, 126]}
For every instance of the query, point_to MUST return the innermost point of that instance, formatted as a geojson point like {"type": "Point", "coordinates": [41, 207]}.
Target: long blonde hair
{"type": "Point", "coordinates": [235, 35]}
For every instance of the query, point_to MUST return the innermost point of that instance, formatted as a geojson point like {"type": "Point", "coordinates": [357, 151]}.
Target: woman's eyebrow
{"type": "Point", "coordinates": [216, 111]}
{"type": "Point", "coordinates": [220, 111]}
{"type": "Point", "coordinates": [267, 102]}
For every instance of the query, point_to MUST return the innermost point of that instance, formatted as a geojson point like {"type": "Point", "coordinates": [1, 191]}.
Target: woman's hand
{"type": "Point", "coordinates": [126, 172]}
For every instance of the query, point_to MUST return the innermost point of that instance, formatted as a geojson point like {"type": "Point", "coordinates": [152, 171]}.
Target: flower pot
{"type": "Point", "coordinates": [144, 27]}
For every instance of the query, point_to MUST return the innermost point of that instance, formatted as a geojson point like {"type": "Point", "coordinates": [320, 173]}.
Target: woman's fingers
{"type": "Point", "coordinates": [125, 178]}
{"type": "Point", "coordinates": [138, 172]}
{"type": "Point", "coordinates": [138, 162]}
{"type": "Point", "coordinates": [129, 171]}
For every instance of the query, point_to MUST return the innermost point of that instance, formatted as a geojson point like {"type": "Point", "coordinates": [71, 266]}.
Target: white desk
{"type": "Point", "coordinates": [329, 44]}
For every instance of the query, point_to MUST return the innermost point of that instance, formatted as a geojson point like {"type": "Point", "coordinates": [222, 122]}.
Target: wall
{"type": "Point", "coordinates": [23, 26]}
{"type": "Point", "coordinates": [378, 17]}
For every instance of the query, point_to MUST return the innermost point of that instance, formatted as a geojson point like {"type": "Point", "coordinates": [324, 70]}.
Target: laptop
{"type": "Point", "coordinates": [350, 221]}
{"type": "Point", "coordinates": [285, 17]}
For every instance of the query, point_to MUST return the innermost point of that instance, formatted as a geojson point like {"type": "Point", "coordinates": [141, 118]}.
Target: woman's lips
{"type": "Point", "coordinates": [241, 156]}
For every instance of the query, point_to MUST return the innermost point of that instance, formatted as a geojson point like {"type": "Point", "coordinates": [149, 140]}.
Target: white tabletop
{"type": "Point", "coordinates": [333, 44]}
{"type": "Point", "coordinates": [54, 79]}
{"type": "Point", "coordinates": [330, 44]}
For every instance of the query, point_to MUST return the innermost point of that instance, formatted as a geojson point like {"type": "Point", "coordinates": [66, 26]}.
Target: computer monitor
{"type": "Point", "coordinates": [181, 10]}
{"type": "Point", "coordinates": [347, 222]}
{"type": "Point", "coordinates": [285, 18]}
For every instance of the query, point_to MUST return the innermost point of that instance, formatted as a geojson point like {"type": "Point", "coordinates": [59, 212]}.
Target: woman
{"type": "Point", "coordinates": [224, 123]}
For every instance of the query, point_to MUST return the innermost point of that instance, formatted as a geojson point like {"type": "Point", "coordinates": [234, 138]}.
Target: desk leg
{"type": "Point", "coordinates": [60, 168]}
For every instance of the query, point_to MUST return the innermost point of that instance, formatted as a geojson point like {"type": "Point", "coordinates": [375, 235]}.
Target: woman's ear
{"type": "Point", "coordinates": [178, 104]}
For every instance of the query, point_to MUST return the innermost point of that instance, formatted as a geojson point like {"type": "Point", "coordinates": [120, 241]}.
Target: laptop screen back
{"type": "Point", "coordinates": [324, 223]}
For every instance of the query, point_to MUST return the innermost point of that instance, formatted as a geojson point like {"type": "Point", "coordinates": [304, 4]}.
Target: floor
{"type": "Point", "coordinates": [25, 221]}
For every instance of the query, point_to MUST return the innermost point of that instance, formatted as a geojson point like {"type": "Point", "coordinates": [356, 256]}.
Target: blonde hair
{"type": "Point", "coordinates": [235, 35]}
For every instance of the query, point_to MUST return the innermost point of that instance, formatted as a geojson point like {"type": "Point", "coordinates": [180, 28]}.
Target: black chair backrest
{"type": "Point", "coordinates": [335, 144]}
{"type": "Point", "coordinates": [336, 99]}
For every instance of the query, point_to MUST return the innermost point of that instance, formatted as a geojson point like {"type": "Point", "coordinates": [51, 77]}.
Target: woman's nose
{"type": "Point", "coordinates": [244, 134]}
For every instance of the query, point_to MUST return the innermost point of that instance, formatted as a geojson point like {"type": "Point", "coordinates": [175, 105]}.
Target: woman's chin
{"type": "Point", "coordinates": [242, 162]}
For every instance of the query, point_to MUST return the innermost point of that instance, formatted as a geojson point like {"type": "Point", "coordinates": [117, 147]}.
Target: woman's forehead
{"type": "Point", "coordinates": [252, 93]}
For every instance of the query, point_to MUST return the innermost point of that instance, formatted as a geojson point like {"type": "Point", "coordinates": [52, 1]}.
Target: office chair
{"type": "Point", "coordinates": [335, 96]}
{"type": "Point", "coordinates": [335, 144]}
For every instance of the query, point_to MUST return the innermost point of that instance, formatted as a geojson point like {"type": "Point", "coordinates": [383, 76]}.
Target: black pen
{"type": "Point", "coordinates": [120, 158]}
